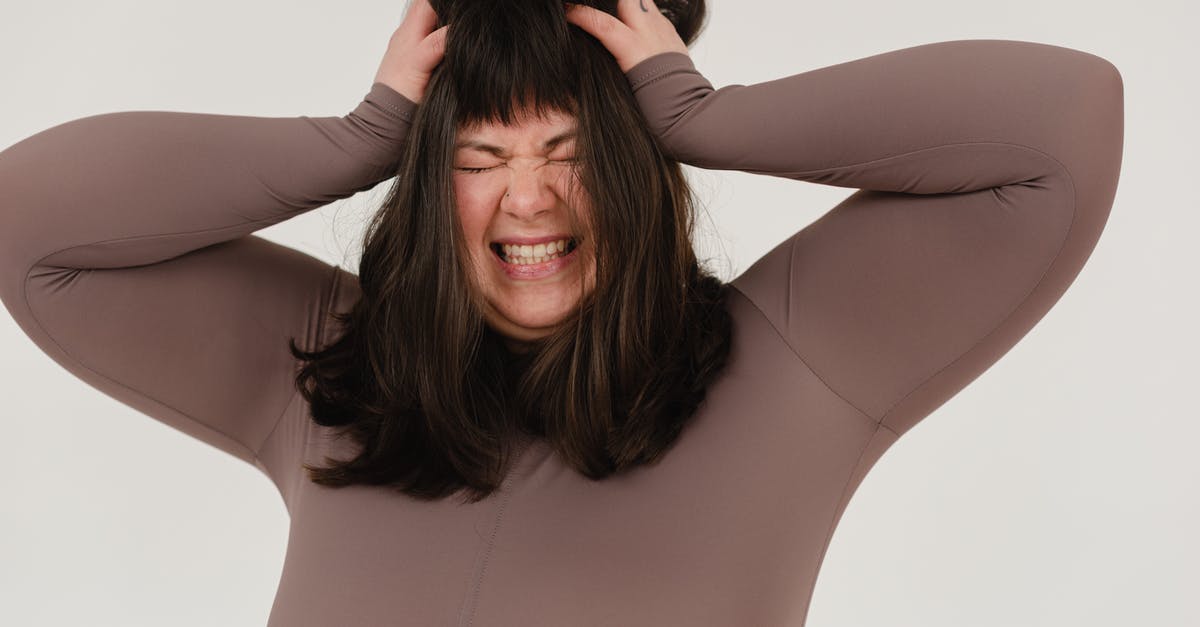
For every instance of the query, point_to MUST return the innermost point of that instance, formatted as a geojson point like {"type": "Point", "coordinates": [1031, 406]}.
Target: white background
{"type": "Point", "coordinates": [1060, 488]}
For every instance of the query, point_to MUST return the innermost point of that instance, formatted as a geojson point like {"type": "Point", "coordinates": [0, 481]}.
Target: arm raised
{"type": "Point", "coordinates": [126, 254]}
{"type": "Point", "coordinates": [986, 171]}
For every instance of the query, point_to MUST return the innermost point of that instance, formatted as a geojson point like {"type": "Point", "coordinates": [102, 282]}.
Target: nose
{"type": "Point", "coordinates": [530, 192]}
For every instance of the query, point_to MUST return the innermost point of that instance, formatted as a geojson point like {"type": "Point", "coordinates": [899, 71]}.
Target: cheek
{"type": "Point", "coordinates": [576, 197]}
{"type": "Point", "coordinates": [583, 210]}
{"type": "Point", "coordinates": [473, 214]}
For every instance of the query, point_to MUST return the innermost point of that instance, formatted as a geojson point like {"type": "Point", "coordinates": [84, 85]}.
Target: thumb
{"type": "Point", "coordinates": [431, 49]}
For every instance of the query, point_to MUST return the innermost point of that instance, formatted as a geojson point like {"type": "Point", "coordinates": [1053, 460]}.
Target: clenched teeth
{"type": "Point", "coordinates": [522, 254]}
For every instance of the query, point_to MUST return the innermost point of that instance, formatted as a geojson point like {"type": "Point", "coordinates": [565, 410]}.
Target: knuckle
{"type": "Point", "coordinates": [603, 26]}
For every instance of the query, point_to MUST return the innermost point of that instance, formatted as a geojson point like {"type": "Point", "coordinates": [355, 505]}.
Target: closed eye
{"type": "Point", "coordinates": [496, 166]}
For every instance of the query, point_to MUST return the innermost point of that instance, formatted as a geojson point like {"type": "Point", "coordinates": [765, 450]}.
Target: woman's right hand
{"type": "Point", "coordinates": [413, 51]}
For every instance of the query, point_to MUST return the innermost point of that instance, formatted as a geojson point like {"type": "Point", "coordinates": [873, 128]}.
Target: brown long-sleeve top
{"type": "Point", "coordinates": [986, 170]}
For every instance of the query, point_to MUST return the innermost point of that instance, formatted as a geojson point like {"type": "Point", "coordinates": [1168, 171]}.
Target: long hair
{"type": "Point", "coordinates": [429, 393]}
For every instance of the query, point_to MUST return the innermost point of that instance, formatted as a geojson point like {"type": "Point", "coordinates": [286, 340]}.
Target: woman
{"type": "Point", "coordinates": [637, 442]}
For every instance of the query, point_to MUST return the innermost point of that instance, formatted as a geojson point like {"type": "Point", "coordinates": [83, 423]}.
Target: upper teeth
{"type": "Point", "coordinates": [535, 250]}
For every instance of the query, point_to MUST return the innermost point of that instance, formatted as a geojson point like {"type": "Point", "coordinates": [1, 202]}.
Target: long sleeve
{"type": "Point", "coordinates": [126, 254]}
{"type": "Point", "coordinates": [986, 171]}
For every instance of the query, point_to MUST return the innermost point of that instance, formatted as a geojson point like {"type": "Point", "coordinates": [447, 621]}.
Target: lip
{"type": "Point", "coordinates": [531, 271]}
{"type": "Point", "coordinates": [532, 240]}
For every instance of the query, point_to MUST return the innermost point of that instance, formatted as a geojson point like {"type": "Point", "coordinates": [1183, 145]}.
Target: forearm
{"type": "Point", "coordinates": [136, 187]}
{"type": "Point", "coordinates": [951, 116]}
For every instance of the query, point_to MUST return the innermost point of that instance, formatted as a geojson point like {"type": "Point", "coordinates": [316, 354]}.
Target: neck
{"type": "Point", "coordinates": [516, 346]}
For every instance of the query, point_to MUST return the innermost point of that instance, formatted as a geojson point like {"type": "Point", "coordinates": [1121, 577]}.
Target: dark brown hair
{"type": "Point", "coordinates": [427, 390]}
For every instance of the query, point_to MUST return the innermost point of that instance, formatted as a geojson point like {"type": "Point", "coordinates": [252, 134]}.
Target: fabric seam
{"type": "Point", "coordinates": [249, 452]}
{"type": "Point", "coordinates": [471, 601]}
{"type": "Point", "coordinates": [842, 503]}
{"type": "Point", "coordinates": [791, 251]}
{"type": "Point", "coordinates": [793, 350]}
{"type": "Point", "coordinates": [1024, 299]}
{"type": "Point", "coordinates": [661, 69]}
{"type": "Point", "coordinates": [404, 115]}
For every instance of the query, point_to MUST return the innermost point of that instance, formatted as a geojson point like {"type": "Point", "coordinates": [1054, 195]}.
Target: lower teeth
{"type": "Point", "coordinates": [525, 262]}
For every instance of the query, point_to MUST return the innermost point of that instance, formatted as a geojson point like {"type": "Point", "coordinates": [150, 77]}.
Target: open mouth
{"type": "Point", "coordinates": [529, 255]}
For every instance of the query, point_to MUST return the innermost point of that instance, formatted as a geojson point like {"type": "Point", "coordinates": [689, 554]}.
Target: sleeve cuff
{"type": "Point", "coordinates": [391, 102]}
{"type": "Point", "coordinates": [657, 66]}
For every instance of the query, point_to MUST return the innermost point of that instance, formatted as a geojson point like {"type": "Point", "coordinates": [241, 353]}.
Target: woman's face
{"type": "Point", "coordinates": [512, 186]}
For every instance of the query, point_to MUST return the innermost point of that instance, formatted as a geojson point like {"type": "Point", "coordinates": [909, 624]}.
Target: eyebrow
{"type": "Point", "coordinates": [500, 152]}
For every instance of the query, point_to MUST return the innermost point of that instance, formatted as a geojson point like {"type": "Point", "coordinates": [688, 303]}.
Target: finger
{"type": "Point", "coordinates": [437, 40]}
{"type": "Point", "coordinates": [633, 11]}
{"type": "Point", "coordinates": [432, 49]}
{"type": "Point", "coordinates": [611, 32]}
{"type": "Point", "coordinates": [419, 20]}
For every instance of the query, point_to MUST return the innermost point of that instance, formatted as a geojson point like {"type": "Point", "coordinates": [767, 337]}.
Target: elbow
{"type": "Point", "coordinates": [1103, 106]}
{"type": "Point", "coordinates": [1109, 76]}
{"type": "Point", "coordinates": [1087, 123]}
{"type": "Point", "coordinates": [1094, 150]}
{"type": "Point", "coordinates": [1106, 86]}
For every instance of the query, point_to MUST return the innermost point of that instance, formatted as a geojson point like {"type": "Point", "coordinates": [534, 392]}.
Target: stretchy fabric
{"type": "Point", "coordinates": [985, 171]}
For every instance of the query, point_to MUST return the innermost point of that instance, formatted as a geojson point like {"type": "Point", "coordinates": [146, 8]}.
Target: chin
{"type": "Point", "coordinates": [526, 323]}
{"type": "Point", "coordinates": [535, 323]}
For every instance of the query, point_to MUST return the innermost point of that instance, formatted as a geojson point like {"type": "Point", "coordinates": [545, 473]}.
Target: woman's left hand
{"type": "Point", "coordinates": [641, 32]}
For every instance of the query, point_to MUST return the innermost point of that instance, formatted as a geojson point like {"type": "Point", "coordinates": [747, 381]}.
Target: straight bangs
{"type": "Point", "coordinates": [511, 58]}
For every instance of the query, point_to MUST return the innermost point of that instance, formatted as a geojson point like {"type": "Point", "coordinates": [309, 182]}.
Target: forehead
{"type": "Point", "coordinates": [525, 127]}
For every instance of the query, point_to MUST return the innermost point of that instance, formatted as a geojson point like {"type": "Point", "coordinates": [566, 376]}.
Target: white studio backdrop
{"type": "Point", "coordinates": [1059, 489]}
